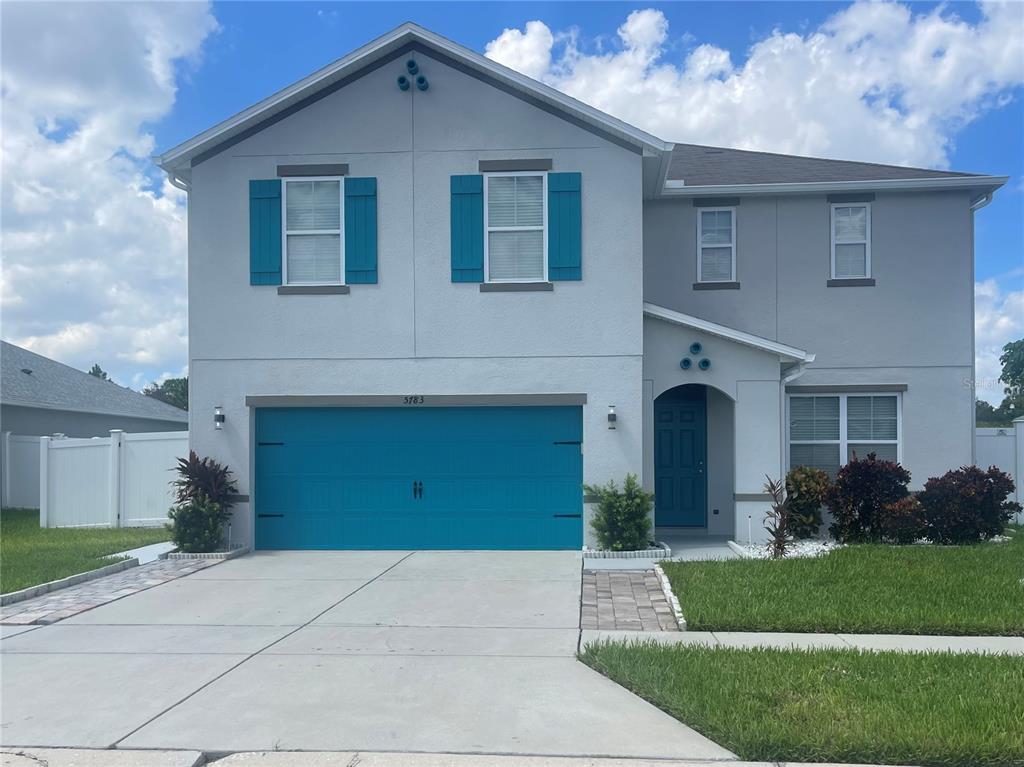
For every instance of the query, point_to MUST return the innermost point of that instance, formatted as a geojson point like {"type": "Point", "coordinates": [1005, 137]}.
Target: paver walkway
{"type": "Point", "coordinates": [64, 603]}
{"type": "Point", "coordinates": [625, 600]}
{"type": "Point", "coordinates": [891, 642]}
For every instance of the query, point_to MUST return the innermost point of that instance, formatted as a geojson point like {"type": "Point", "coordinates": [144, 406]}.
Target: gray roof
{"type": "Point", "coordinates": [53, 385]}
{"type": "Point", "coordinates": [709, 166]}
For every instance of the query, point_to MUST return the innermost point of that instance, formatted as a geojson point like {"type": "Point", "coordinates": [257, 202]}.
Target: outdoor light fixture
{"type": "Point", "coordinates": [218, 418]}
{"type": "Point", "coordinates": [611, 416]}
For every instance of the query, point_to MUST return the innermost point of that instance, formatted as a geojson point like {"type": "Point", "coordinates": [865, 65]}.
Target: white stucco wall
{"type": "Point", "coordinates": [416, 332]}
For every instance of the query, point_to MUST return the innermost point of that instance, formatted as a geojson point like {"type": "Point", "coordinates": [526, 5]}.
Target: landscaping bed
{"type": "Point", "coordinates": [869, 588]}
{"type": "Point", "coordinates": [30, 555]}
{"type": "Point", "coordinates": [832, 705]}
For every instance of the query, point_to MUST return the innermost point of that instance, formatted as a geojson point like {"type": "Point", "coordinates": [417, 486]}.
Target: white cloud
{"type": "Point", "coordinates": [998, 319]}
{"type": "Point", "coordinates": [94, 244]}
{"type": "Point", "coordinates": [874, 82]}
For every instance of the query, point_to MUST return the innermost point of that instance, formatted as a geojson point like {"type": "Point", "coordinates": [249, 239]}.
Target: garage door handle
{"type": "Point", "coordinates": [567, 516]}
{"type": "Point", "coordinates": [417, 489]}
{"type": "Point", "coordinates": [262, 516]}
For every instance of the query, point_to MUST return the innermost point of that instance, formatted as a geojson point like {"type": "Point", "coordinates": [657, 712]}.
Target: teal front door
{"type": "Point", "coordinates": [419, 478]}
{"type": "Point", "coordinates": [680, 460]}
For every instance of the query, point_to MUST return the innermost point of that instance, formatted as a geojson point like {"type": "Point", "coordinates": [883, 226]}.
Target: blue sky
{"type": "Point", "coordinates": [250, 58]}
{"type": "Point", "coordinates": [94, 238]}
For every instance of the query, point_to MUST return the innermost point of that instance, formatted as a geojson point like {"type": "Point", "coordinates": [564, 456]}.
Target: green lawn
{"type": "Point", "coordinates": [833, 705]}
{"type": "Point", "coordinates": [30, 555]}
{"type": "Point", "coordinates": [861, 589]}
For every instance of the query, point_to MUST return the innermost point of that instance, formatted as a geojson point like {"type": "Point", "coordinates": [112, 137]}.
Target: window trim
{"type": "Point", "coordinates": [543, 227]}
{"type": "Point", "coordinates": [844, 442]}
{"type": "Point", "coordinates": [284, 229]}
{"type": "Point", "coordinates": [866, 241]}
{"type": "Point", "coordinates": [732, 245]}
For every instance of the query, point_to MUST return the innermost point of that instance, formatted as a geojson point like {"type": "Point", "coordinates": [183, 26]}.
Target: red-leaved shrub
{"type": "Point", "coordinates": [967, 505]}
{"type": "Point", "coordinates": [862, 489]}
{"type": "Point", "coordinates": [902, 522]}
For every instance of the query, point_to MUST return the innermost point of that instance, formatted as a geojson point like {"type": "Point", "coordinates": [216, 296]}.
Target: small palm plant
{"type": "Point", "coordinates": [778, 518]}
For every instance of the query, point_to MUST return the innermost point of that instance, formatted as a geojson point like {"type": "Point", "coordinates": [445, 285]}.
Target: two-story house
{"type": "Point", "coordinates": [430, 298]}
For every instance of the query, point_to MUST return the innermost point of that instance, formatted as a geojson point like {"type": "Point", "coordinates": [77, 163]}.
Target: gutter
{"type": "Point", "coordinates": [980, 202]}
{"type": "Point", "coordinates": [676, 188]}
{"type": "Point", "coordinates": [175, 180]}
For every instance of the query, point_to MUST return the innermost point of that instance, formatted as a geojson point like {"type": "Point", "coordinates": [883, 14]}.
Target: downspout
{"type": "Point", "coordinates": [791, 374]}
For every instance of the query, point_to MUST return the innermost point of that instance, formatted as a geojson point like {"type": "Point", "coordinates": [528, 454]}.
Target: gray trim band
{"type": "Point", "coordinates": [716, 202]}
{"type": "Point", "coordinates": [716, 286]}
{"type": "Point", "coordinates": [862, 197]}
{"type": "Point", "coordinates": [399, 400]}
{"type": "Point", "coordinates": [329, 169]}
{"type": "Point", "coordinates": [514, 287]}
{"type": "Point", "coordinates": [847, 389]}
{"type": "Point", "coordinates": [491, 166]}
{"type": "Point", "coordinates": [862, 282]}
{"type": "Point", "coordinates": [313, 290]}
{"type": "Point", "coordinates": [590, 498]}
{"type": "Point", "coordinates": [238, 498]}
{"type": "Point", "coordinates": [751, 497]}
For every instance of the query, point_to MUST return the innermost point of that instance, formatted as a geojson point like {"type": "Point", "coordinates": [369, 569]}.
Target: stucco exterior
{"type": "Point", "coordinates": [614, 337]}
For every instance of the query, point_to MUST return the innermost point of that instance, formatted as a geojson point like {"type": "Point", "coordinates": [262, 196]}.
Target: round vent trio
{"type": "Point", "coordinates": [695, 348]}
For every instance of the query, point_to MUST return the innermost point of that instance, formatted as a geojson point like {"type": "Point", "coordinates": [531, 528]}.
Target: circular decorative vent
{"type": "Point", "coordinates": [696, 348]}
{"type": "Point", "coordinates": [704, 364]}
{"type": "Point", "coordinates": [685, 363]}
{"type": "Point", "coordinates": [403, 83]}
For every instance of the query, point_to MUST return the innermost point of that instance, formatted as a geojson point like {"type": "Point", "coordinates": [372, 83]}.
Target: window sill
{"type": "Point", "coordinates": [716, 286]}
{"type": "Point", "coordinates": [312, 290]}
{"type": "Point", "coordinates": [515, 287]}
{"type": "Point", "coordinates": [860, 282]}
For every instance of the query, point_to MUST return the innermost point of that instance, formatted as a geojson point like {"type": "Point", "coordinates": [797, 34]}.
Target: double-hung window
{"type": "Point", "coordinates": [313, 245]}
{"type": "Point", "coordinates": [851, 241]}
{"type": "Point", "coordinates": [716, 245]}
{"type": "Point", "coordinates": [827, 430]}
{"type": "Point", "coordinates": [516, 238]}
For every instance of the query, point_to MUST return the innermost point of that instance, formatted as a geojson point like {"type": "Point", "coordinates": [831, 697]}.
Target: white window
{"type": "Point", "coordinates": [313, 250]}
{"type": "Point", "coordinates": [716, 245]}
{"type": "Point", "coordinates": [826, 430]}
{"type": "Point", "coordinates": [516, 243]}
{"type": "Point", "coordinates": [851, 241]}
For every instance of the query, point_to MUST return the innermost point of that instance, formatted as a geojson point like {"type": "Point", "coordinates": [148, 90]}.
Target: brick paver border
{"type": "Point", "coordinates": [630, 600]}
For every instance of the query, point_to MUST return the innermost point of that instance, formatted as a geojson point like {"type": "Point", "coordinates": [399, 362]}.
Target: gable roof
{"type": "Point", "coordinates": [784, 351]}
{"type": "Point", "coordinates": [176, 161]}
{"type": "Point", "coordinates": [698, 165]}
{"type": "Point", "coordinates": [54, 386]}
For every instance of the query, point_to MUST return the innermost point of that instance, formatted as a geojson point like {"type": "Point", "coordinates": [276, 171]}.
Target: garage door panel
{"type": "Point", "coordinates": [484, 478]}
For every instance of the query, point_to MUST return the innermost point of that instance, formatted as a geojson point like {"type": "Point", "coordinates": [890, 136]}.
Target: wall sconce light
{"type": "Point", "coordinates": [611, 416]}
{"type": "Point", "coordinates": [218, 418]}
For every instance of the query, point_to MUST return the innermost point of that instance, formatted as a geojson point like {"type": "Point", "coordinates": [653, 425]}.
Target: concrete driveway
{"type": "Point", "coordinates": [379, 651]}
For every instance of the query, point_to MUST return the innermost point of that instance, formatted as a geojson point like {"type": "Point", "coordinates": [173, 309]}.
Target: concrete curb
{"type": "Point", "coordinates": [662, 551]}
{"type": "Point", "coordinates": [221, 555]}
{"type": "Point", "coordinates": [670, 596]}
{"type": "Point", "coordinates": [739, 550]}
{"type": "Point", "coordinates": [63, 583]}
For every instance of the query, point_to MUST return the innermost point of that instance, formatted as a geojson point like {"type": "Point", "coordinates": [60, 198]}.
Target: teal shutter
{"type": "Point", "coordinates": [360, 231]}
{"type": "Point", "coordinates": [467, 228]}
{"type": "Point", "coordinates": [265, 232]}
{"type": "Point", "coordinates": [565, 227]}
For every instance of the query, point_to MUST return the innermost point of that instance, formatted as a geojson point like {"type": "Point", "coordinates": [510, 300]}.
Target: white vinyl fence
{"type": "Point", "coordinates": [118, 481]}
{"type": "Point", "coordinates": [1003, 448]}
{"type": "Point", "coordinates": [19, 484]}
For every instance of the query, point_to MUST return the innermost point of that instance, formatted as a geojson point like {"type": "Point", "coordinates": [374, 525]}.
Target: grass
{"type": "Point", "coordinates": [832, 705]}
{"type": "Point", "coordinates": [30, 555]}
{"type": "Point", "coordinates": [962, 590]}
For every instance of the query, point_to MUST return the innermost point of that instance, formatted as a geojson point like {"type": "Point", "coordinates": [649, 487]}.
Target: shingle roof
{"type": "Point", "coordinates": [710, 166]}
{"type": "Point", "coordinates": [51, 384]}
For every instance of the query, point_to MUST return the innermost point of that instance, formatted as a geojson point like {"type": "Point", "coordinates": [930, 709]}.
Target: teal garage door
{"type": "Point", "coordinates": [419, 478]}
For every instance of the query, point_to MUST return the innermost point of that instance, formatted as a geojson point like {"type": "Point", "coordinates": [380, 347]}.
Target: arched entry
{"type": "Point", "coordinates": [680, 457]}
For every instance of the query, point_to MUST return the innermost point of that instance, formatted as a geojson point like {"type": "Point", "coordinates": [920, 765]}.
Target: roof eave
{"type": "Point", "coordinates": [677, 188]}
{"type": "Point", "coordinates": [178, 158]}
{"type": "Point", "coordinates": [783, 351]}
{"type": "Point", "coordinates": [181, 417]}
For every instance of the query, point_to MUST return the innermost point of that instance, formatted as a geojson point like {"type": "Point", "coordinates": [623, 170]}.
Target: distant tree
{"type": "Point", "coordinates": [1012, 406]}
{"type": "Point", "coordinates": [173, 391]}
{"type": "Point", "coordinates": [1012, 360]}
{"type": "Point", "coordinates": [99, 372]}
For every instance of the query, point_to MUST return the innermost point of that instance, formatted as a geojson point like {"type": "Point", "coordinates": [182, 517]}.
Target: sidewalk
{"type": "Point", "coordinates": [898, 642]}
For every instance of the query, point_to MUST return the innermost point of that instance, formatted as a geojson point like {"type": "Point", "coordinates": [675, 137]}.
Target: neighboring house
{"type": "Point", "coordinates": [40, 397]}
{"type": "Point", "coordinates": [431, 297]}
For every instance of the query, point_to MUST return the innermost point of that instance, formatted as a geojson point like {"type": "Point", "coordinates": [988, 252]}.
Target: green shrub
{"type": "Point", "coordinates": [198, 525]}
{"type": "Point", "coordinates": [902, 522]}
{"type": "Point", "coordinates": [863, 487]}
{"type": "Point", "coordinates": [622, 521]}
{"type": "Point", "coordinates": [806, 488]}
{"type": "Point", "coordinates": [967, 505]}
